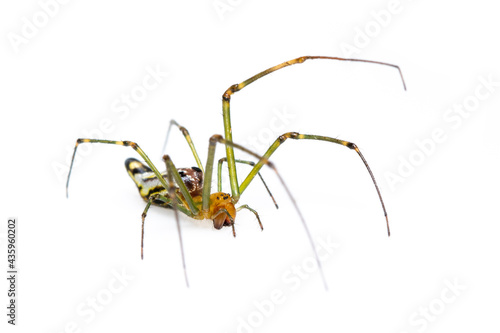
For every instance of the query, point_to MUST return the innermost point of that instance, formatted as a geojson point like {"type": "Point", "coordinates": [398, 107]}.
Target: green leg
{"type": "Point", "coordinates": [185, 192]}
{"type": "Point", "coordinates": [134, 145]}
{"type": "Point", "coordinates": [264, 160]}
{"type": "Point", "coordinates": [144, 214]}
{"type": "Point", "coordinates": [296, 136]}
{"type": "Point", "coordinates": [219, 177]}
{"type": "Point", "coordinates": [188, 139]}
{"type": "Point", "coordinates": [226, 98]}
{"type": "Point", "coordinates": [253, 211]}
{"type": "Point", "coordinates": [207, 176]}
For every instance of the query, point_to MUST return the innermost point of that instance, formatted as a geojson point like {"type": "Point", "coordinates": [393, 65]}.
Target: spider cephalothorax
{"type": "Point", "coordinates": [222, 210]}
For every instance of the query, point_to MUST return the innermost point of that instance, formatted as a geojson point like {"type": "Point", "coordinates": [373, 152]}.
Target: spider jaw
{"type": "Point", "coordinates": [222, 210]}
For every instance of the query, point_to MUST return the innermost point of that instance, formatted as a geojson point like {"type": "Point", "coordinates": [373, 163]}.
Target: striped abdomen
{"type": "Point", "coordinates": [148, 184]}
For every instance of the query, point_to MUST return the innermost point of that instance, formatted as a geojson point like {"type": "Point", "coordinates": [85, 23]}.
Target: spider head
{"type": "Point", "coordinates": [221, 204]}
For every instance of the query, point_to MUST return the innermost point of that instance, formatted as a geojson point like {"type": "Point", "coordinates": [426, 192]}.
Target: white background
{"type": "Point", "coordinates": [64, 80]}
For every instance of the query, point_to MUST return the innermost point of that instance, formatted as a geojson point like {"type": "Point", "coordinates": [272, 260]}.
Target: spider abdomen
{"type": "Point", "coordinates": [148, 184]}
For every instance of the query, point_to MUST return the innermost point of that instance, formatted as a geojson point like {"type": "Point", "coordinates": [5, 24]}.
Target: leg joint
{"type": "Point", "coordinates": [290, 135]}
{"type": "Point", "coordinates": [216, 138]}
{"type": "Point", "coordinates": [231, 90]}
{"type": "Point", "coordinates": [352, 146]}
{"type": "Point", "coordinates": [184, 130]}
{"type": "Point", "coordinates": [130, 144]}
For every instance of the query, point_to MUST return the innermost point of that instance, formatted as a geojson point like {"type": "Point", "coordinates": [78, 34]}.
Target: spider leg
{"type": "Point", "coordinates": [219, 178]}
{"type": "Point", "coordinates": [226, 98]}
{"type": "Point", "coordinates": [184, 132]}
{"type": "Point", "coordinates": [144, 214]}
{"type": "Point", "coordinates": [134, 145]}
{"type": "Point", "coordinates": [194, 210]}
{"type": "Point", "coordinates": [253, 211]}
{"type": "Point", "coordinates": [296, 136]}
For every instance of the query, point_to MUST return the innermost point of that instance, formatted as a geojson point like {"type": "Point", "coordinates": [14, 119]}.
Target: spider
{"type": "Point", "coordinates": [188, 190]}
